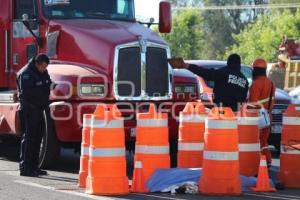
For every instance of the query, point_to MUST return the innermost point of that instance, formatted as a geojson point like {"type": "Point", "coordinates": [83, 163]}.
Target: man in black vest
{"type": "Point", "coordinates": [34, 84]}
{"type": "Point", "coordinates": [231, 86]}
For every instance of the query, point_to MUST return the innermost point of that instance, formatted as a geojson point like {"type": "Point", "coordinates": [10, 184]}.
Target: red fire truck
{"type": "Point", "coordinates": [99, 54]}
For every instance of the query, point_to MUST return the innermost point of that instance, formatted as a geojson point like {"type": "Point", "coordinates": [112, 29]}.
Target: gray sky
{"type": "Point", "coordinates": [146, 8]}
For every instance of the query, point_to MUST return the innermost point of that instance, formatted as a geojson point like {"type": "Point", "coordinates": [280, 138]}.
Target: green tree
{"type": "Point", "coordinates": [218, 31]}
{"type": "Point", "coordinates": [262, 38]}
{"type": "Point", "coordinates": [220, 25]}
{"type": "Point", "coordinates": [285, 2]}
{"type": "Point", "coordinates": [186, 38]}
{"type": "Point", "coordinates": [184, 3]}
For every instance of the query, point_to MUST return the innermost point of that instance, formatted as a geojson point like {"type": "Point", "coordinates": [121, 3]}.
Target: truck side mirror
{"type": "Point", "coordinates": [30, 26]}
{"type": "Point", "coordinates": [31, 23]}
{"type": "Point", "coordinates": [165, 17]}
{"type": "Point", "coordinates": [25, 19]}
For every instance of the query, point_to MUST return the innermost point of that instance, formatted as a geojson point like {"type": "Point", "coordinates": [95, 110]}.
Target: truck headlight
{"type": "Point", "coordinates": [92, 90]}
{"type": "Point", "coordinates": [189, 89]}
{"type": "Point", "coordinates": [178, 89]}
{"type": "Point", "coordinates": [185, 89]}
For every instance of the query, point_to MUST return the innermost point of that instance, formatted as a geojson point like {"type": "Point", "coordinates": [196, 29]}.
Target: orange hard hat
{"type": "Point", "coordinates": [260, 63]}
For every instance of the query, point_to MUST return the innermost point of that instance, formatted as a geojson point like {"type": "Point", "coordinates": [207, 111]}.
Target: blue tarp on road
{"type": "Point", "coordinates": [162, 179]}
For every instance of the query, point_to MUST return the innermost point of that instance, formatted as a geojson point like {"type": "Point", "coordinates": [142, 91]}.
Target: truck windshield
{"type": "Point", "coordinates": [89, 9]}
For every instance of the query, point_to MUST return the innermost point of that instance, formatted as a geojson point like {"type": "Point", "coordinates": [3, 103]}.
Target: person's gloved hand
{"type": "Point", "coordinates": [178, 63]}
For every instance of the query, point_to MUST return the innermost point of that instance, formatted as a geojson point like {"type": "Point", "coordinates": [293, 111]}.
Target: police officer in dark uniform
{"type": "Point", "coordinates": [231, 86]}
{"type": "Point", "coordinates": [34, 84]}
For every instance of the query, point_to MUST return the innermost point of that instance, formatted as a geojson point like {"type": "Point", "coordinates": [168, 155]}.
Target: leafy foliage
{"type": "Point", "coordinates": [184, 3]}
{"type": "Point", "coordinates": [220, 25]}
{"type": "Point", "coordinates": [186, 38]}
{"type": "Point", "coordinates": [262, 38]}
{"type": "Point", "coordinates": [214, 34]}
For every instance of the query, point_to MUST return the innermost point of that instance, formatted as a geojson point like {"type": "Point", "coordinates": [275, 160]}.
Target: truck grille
{"type": "Point", "coordinates": [277, 112]}
{"type": "Point", "coordinates": [157, 73]}
{"type": "Point", "coordinates": [129, 71]}
{"type": "Point", "coordinates": [147, 73]}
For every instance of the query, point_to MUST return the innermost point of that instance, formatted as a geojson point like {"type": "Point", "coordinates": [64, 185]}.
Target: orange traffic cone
{"type": "Point", "coordinates": [137, 185]}
{"type": "Point", "coordinates": [84, 158]}
{"type": "Point", "coordinates": [263, 183]}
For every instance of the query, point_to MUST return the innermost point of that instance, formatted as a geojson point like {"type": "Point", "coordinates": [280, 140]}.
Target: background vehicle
{"type": "Point", "coordinates": [295, 95]}
{"type": "Point", "coordinates": [97, 50]}
{"type": "Point", "coordinates": [282, 98]}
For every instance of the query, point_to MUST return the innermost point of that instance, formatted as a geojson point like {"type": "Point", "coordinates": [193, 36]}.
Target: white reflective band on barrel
{"type": "Point", "coordinates": [152, 122]}
{"type": "Point", "coordinates": [84, 151]}
{"type": "Point", "coordinates": [192, 118]}
{"type": "Point", "coordinates": [289, 150]}
{"type": "Point", "coordinates": [138, 165]}
{"type": "Point", "coordinates": [87, 122]}
{"type": "Point", "coordinates": [220, 124]}
{"type": "Point", "coordinates": [152, 149]}
{"type": "Point", "coordinates": [107, 124]}
{"type": "Point", "coordinates": [217, 155]}
{"type": "Point", "coordinates": [107, 152]}
{"type": "Point", "coordinates": [291, 121]}
{"type": "Point", "coordinates": [247, 121]}
{"type": "Point", "coordinates": [190, 146]}
{"type": "Point", "coordinates": [263, 163]}
{"type": "Point", "coordinates": [249, 147]}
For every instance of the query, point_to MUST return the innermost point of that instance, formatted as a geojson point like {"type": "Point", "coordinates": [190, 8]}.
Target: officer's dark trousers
{"type": "Point", "coordinates": [32, 125]}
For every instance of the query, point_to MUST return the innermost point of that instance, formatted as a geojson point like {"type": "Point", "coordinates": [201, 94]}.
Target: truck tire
{"type": "Point", "coordinates": [50, 146]}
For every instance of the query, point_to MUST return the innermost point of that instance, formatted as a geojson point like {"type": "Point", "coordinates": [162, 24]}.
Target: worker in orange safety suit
{"type": "Point", "coordinates": [262, 91]}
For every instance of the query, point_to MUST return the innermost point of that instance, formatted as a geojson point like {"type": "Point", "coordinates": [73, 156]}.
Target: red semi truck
{"type": "Point", "coordinates": [99, 54]}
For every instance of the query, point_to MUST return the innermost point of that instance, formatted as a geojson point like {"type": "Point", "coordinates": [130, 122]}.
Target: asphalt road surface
{"type": "Point", "coordinates": [61, 183]}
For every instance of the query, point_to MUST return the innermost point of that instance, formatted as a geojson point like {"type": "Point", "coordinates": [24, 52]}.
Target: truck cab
{"type": "Point", "coordinates": [100, 54]}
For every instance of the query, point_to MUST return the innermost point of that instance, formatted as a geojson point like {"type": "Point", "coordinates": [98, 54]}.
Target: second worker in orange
{"type": "Point", "coordinates": [262, 92]}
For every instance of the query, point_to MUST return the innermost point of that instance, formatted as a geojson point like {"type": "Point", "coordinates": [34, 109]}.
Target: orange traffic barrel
{"type": "Point", "coordinates": [289, 173]}
{"type": "Point", "coordinates": [85, 144]}
{"type": "Point", "coordinates": [107, 163]}
{"type": "Point", "coordinates": [151, 148]}
{"type": "Point", "coordinates": [221, 175]}
{"type": "Point", "coordinates": [191, 135]}
{"type": "Point", "coordinates": [249, 145]}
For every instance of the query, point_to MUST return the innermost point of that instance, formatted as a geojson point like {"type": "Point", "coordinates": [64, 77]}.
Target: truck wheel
{"type": "Point", "coordinates": [50, 146]}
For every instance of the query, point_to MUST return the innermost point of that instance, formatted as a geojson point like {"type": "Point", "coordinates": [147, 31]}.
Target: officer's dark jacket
{"type": "Point", "coordinates": [231, 86]}
{"type": "Point", "coordinates": [33, 87]}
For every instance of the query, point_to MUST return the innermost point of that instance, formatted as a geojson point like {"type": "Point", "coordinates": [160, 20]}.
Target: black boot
{"type": "Point", "coordinates": [41, 172]}
{"type": "Point", "coordinates": [29, 173]}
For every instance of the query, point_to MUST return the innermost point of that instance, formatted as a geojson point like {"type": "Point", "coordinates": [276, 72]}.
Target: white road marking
{"type": "Point", "coordinates": [62, 191]}
{"type": "Point", "coordinates": [272, 196]}
{"type": "Point", "coordinates": [285, 195]}
{"type": "Point", "coordinates": [86, 195]}
{"type": "Point", "coordinates": [156, 196]}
